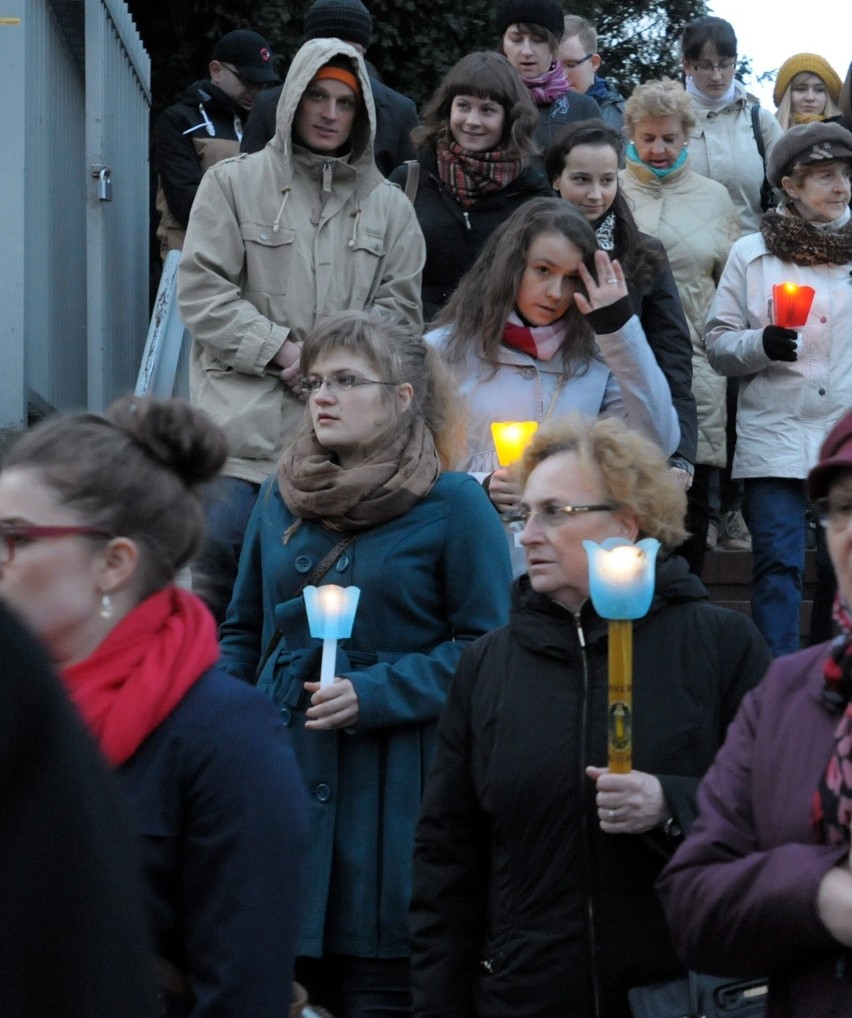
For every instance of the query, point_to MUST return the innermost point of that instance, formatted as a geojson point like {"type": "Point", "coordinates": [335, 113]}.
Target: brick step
{"type": "Point", "coordinates": [727, 577]}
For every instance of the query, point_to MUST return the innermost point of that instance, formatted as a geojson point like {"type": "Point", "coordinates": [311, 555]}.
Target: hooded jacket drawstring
{"type": "Point", "coordinates": [277, 222]}
{"type": "Point", "coordinates": [354, 238]}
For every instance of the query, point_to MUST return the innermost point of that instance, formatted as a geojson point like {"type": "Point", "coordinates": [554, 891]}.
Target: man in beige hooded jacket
{"type": "Point", "coordinates": [277, 240]}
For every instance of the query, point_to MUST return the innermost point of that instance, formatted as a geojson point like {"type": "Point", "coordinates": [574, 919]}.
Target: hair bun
{"type": "Point", "coordinates": [175, 434]}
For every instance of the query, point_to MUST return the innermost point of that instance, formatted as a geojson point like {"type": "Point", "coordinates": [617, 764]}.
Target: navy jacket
{"type": "Point", "coordinates": [219, 804]}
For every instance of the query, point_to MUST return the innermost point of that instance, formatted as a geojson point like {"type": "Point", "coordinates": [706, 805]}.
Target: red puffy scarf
{"type": "Point", "coordinates": [832, 803]}
{"type": "Point", "coordinates": [470, 175]}
{"type": "Point", "coordinates": [142, 670]}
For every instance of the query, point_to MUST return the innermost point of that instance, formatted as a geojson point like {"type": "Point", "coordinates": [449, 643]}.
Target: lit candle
{"type": "Point", "coordinates": [331, 614]}
{"type": "Point", "coordinates": [791, 305]}
{"type": "Point", "coordinates": [511, 438]}
{"type": "Point", "coordinates": [621, 586]}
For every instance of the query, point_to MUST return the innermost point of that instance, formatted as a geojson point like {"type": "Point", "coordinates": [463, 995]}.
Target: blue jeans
{"type": "Point", "coordinates": [774, 511]}
{"type": "Point", "coordinates": [352, 987]}
{"type": "Point", "coordinates": [228, 503]}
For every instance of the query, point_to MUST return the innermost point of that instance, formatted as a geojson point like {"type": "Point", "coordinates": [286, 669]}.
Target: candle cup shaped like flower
{"type": "Point", "coordinates": [791, 304]}
{"type": "Point", "coordinates": [331, 615]}
{"type": "Point", "coordinates": [511, 438]}
{"type": "Point", "coordinates": [621, 585]}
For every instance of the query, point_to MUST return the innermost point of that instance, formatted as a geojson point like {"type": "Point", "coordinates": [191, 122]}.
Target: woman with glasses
{"type": "Point", "coordinates": [763, 884]}
{"type": "Point", "coordinates": [364, 498]}
{"type": "Point", "coordinates": [97, 516]}
{"type": "Point", "coordinates": [724, 144]}
{"type": "Point", "coordinates": [534, 865]}
{"type": "Point", "coordinates": [543, 324]}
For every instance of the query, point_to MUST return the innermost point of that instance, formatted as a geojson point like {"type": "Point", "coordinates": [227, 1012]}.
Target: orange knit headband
{"type": "Point", "coordinates": [339, 74]}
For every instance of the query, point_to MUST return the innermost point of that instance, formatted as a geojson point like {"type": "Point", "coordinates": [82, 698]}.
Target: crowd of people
{"type": "Point", "coordinates": [419, 819]}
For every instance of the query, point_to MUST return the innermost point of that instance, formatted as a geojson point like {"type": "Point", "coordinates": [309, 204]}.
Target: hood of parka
{"type": "Point", "coordinates": [310, 58]}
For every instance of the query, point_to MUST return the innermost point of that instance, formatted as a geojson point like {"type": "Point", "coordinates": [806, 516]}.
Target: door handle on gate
{"type": "Point", "coordinates": [103, 175]}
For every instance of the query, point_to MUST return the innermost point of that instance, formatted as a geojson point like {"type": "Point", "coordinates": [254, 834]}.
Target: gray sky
{"type": "Point", "coordinates": [770, 33]}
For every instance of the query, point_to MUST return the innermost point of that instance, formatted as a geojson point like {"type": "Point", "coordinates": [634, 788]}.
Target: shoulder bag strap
{"type": "Point", "coordinates": [317, 574]}
{"type": "Point", "coordinates": [412, 179]}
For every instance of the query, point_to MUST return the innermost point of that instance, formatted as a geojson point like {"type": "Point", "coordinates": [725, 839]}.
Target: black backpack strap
{"type": "Point", "coordinates": [767, 195]}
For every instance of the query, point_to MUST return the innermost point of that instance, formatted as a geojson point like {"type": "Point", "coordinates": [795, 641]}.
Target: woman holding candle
{"type": "Point", "coordinates": [763, 884]}
{"type": "Point", "coordinates": [530, 33]}
{"type": "Point", "coordinates": [807, 88]}
{"type": "Point", "coordinates": [541, 325]}
{"type": "Point", "coordinates": [793, 385]}
{"type": "Point", "coordinates": [97, 515]}
{"type": "Point", "coordinates": [363, 498]}
{"type": "Point", "coordinates": [473, 167]}
{"type": "Point", "coordinates": [534, 865]}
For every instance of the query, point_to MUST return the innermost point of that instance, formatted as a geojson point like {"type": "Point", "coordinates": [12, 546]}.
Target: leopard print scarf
{"type": "Point", "coordinates": [794, 240]}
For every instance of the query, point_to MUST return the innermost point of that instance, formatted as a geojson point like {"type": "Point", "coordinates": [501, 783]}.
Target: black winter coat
{"type": "Point", "coordinates": [396, 118]}
{"type": "Point", "coordinates": [455, 236]}
{"type": "Point", "coordinates": [522, 906]}
{"type": "Point", "coordinates": [660, 311]}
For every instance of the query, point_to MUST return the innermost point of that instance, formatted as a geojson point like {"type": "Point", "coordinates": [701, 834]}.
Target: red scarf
{"type": "Point", "coordinates": [539, 341]}
{"type": "Point", "coordinates": [142, 670]}
{"type": "Point", "coordinates": [831, 811]}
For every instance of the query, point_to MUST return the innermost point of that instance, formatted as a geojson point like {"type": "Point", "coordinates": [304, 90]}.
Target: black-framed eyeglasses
{"type": "Point", "coordinates": [257, 86]}
{"type": "Point", "coordinates": [707, 66]}
{"type": "Point", "coordinates": [571, 65]}
{"type": "Point", "coordinates": [13, 535]}
{"type": "Point", "coordinates": [834, 514]}
{"type": "Point", "coordinates": [553, 516]}
{"type": "Point", "coordinates": [339, 380]}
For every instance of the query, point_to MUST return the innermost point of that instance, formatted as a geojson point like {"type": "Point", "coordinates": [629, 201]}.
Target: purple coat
{"type": "Point", "coordinates": [740, 893]}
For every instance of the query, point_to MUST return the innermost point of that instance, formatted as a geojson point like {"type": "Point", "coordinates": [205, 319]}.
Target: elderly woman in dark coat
{"type": "Point", "coordinates": [534, 865]}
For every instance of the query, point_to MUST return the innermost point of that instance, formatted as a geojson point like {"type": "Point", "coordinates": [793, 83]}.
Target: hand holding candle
{"type": "Point", "coordinates": [621, 585]}
{"type": "Point", "coordinates": [331, 614]}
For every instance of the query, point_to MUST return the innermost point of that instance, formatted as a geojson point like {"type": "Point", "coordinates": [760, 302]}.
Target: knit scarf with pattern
{"type": "Point", "coordinates": [470, 175]}
{"type": "Point", "coordinates": [795, 240]}
{"type": "Point", "coordinates": [831, 810]}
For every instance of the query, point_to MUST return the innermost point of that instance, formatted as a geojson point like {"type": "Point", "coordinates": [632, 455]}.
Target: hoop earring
{"type": "Point", "coordinates": [106, 607]}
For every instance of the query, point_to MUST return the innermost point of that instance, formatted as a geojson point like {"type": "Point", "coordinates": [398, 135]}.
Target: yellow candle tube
{"type": "Point", "coordinates": [511, 438]}
{"type": "Point", "coordinates": [620, 711]}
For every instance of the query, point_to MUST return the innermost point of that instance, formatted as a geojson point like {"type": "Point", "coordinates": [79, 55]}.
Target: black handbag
{"type": "Point", "coordinates": [700, 996]}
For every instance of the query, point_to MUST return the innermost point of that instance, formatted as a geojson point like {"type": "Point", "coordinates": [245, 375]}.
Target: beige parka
{"type": "Point", "coordinates": [277, 240]}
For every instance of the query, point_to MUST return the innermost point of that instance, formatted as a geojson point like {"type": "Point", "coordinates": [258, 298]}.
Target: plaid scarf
{"type": "Point", "coordinates": [831, 810]}
{"type": "Point", "coordinates": [470, 175]}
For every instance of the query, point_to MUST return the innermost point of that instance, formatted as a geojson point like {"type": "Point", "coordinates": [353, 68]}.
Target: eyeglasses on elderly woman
{"type": "Point", "coordinates": [14, 536]}
{"type": "Point", "coordinates": [553, 516]}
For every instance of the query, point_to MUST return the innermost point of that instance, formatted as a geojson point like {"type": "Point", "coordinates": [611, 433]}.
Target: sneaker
{"type": "Point", "coordinates": [734, 535]}
{"type": "Point", "coordinates": [712, 537]}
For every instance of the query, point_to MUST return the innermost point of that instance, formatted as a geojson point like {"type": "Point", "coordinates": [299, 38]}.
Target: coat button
{"type": "Point", "coordinates": [822, 392]}
{"type": "Point", "coordinates": [823, 320]}
{"type": "Point", "coordinates": [528, 372]}
{"type": "Point", "coordinates": [286, 715]}
{"type": "Point", "coordinates": [302, 564]}
{"type": "Point", "coordinates": [342, 563]}
{"type": "Point", "coordinates": [322, 792]}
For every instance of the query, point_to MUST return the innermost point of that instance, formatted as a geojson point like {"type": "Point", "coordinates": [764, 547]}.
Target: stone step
{"type": "Point", "coordinates": [727, 577]}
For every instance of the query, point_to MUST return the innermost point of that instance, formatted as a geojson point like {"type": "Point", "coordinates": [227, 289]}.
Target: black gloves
{"type": "Point", "coordinates": [780, 344]}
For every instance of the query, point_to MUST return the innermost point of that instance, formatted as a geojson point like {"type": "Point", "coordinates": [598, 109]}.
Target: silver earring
{"type": "Point", "coordinates": [106, 607]}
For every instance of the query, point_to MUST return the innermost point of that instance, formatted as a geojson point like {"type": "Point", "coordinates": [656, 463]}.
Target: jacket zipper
{"type": "Point", "coordinates": [584, 820]}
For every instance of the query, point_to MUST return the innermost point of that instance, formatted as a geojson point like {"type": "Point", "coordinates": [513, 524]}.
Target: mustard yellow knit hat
{"type": "Point", "coordinates": [813, 63]}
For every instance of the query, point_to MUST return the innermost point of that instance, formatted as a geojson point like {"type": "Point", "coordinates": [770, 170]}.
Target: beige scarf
{"type": "Point", "coordinates": [388, 482]}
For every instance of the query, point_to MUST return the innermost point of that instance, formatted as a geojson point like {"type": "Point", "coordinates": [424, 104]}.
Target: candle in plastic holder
{"type": "Point", "coordinates": [621, 586]}
{"type": "Point", "coordinates": [331, 615]}
{"type": "Point", "coordinates": [511, 438]}
{"type": "Point", "coordinates": [791, 305]}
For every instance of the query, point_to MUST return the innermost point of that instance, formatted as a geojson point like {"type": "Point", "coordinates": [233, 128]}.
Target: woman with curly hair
{"type": "Point", "coordinates": [473, 168]}
{"type": "Point", "coordinates": [534, 866]}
